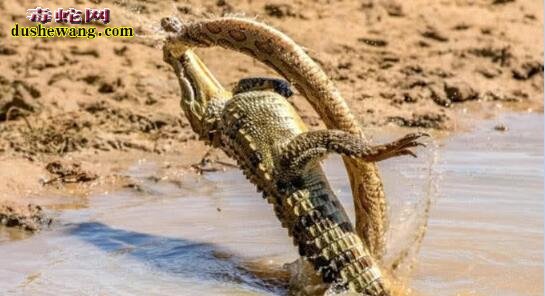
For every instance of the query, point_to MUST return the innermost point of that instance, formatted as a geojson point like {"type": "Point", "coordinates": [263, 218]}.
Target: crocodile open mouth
{"type": "Point", "coordinates": [203, 83]}
{"type": "Point", "coordinates": [200, 89]}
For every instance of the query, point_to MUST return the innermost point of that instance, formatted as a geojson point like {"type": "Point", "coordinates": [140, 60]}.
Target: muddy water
{"type": "Point", "coordinates": [214, 235]}
{"type": "Point", "coordinates": [486, 231]}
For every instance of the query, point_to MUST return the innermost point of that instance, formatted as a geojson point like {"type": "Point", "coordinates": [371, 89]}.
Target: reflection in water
{"type": "Point", "coordinates": [190, 259]}
{"type": "Point", "coordinates": [215, 235]}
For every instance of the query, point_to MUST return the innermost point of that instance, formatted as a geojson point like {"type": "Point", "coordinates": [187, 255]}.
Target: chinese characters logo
{"type": "Point", "coordinates": [71, 15]}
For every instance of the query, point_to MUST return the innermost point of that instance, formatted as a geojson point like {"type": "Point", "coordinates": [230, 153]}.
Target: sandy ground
{"type": "Point", "coordinates": [75, 113]}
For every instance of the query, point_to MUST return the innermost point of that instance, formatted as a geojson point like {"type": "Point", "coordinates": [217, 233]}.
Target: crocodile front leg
{"type": "Point", "coordinates": [308, 148]}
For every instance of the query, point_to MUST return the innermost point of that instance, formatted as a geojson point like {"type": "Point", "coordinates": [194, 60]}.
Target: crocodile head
{"type": "Point", "coordinates": [202, 95]}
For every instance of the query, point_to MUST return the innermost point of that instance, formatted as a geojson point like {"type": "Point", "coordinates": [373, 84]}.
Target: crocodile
{"type": "Point", "coordinates": [281, 53]}
{"type": "Point", "coordinates": [257, 126]}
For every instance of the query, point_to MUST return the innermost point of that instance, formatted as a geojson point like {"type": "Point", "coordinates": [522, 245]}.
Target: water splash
{"type": "Point", "coordinates": [406, 257]}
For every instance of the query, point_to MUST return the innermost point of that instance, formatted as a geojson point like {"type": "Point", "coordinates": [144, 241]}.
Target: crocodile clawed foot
{"type": "Point", "coordinates": [399, 147]}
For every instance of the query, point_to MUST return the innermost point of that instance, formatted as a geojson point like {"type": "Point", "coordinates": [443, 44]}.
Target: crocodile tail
{"type": "Point", "coordinates": [325, 237]}
{"type": "Point", "coordinates": [281, 53]}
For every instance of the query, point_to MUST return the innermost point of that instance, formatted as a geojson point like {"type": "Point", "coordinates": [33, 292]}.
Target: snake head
{"type": "Point", "coordinates": [201, 93]}
{"type": "Point", "coordinates": [178, 33]}
{"type": "Point", "coordinates": [172, 24]}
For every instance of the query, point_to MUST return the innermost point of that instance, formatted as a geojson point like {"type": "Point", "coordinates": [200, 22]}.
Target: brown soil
{"type": "Point", "coordinates": [101, 104]}
{"type": "Point", "coordinates": [30, 217]}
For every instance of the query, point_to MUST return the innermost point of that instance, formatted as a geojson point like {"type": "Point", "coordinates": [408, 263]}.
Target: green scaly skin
{"type": "Point", "coordinates": [271, 144]}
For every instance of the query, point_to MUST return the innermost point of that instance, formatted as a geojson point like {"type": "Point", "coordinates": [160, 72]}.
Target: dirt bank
{"type": "Point", "coordinates": [104, 103]}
